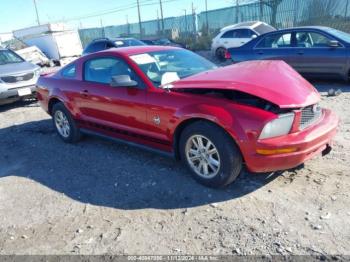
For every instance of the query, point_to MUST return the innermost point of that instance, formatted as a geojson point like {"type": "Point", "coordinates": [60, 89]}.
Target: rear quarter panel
{"type": "Point", "coordinates": [53, 87]}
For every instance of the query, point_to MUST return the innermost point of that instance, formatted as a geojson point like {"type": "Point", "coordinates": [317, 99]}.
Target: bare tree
{"type": "Point", "coordinates": [273, 4]}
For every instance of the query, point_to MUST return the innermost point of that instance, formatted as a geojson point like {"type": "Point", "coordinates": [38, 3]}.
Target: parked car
{"type": "Point", "coordinates": [176, 102]}
{"type": "Point", "coordinates": [100, 44]}
{"type": "Point", "coordinates": [162, 41]}
{"type": "Point", "coordinates": [17, 77]}
{"type": "Point", "coordinates": [312, 51]}
{"type": "Point", "coordinates": [237, 35]}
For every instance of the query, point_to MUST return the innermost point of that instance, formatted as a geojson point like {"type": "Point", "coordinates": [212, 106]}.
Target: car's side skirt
{"type": "Point", "coordinates": [123, 141]}
{"type": "Point", "coordinates": [153, 144]}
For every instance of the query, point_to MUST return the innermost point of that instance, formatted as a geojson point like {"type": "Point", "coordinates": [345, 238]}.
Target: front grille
{"type": "Point", "coordinates": [309, 116]}
{"type": "Point", "coordinates": [17, 78]}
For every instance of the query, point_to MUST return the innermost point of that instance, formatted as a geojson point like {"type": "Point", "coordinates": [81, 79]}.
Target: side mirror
{"type": "Point", "coordinates": [333, 43]}
{"type": "Point", "coordinates": [122, 81]}
{"type": "Point", "coordinates": [254, 36]}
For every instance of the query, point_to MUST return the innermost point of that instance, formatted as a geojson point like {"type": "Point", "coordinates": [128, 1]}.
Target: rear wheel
{"type": "Point", "coordinates": [220, 53]}
{"type": "Point", "coordinates": [211, 155]}
{"type": "Point", "coordinates": [64, 124]}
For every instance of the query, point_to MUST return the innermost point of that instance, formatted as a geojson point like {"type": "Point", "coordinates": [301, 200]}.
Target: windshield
{"type": "Point", "coordinates": [340, 34]}
{"type": "Point", "coordinates": [9, 57]}
{"type": "Point", "coordinates": [174, 64]}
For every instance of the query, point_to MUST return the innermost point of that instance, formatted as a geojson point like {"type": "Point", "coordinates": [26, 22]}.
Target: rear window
{"type": "Point", "coordinates": [69, 71]}
{"type": "Point", "coordinates": [263, 29]}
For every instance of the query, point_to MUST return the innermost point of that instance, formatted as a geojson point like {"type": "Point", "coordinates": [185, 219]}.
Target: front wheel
{"type": "Point", "coordinates": [211, 155]}
{"type": "Point", "coordinates": [64, 124]}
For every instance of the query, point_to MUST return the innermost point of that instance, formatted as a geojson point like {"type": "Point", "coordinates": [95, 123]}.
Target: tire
{"type": "Point", "coordinates": [59, 111]}
{"type": "Point", "coordinates": [228, 155]}
{"type": "Point", "coordinates": [220, 53]}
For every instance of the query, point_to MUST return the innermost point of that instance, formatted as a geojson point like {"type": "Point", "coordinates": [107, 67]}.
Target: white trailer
{"type": "Point", "coordinates": [56, 41]}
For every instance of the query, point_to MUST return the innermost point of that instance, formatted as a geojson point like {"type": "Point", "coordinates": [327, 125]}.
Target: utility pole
{"type": "Point", "coordinates": [102, 28]}
{"type": "Point", "coordinates": [161, 15]}
{"type": "Point", "coordinates": [158, 24]}
{"type": "Point", "coordinates": [206, 17]}
{"type": "Point", "coordinates": [185, 20]}
{"type": "Point", "coordinates": [36, 11]}
{"type": "Point", "coordinates": [194, 20]}
{"type": "Point", "coordinates": [127, 26]}
{"type": "Point", "coordinates": [237, 11]}
{"type": "Point", "coordinates": [138, 11]}
{"type": "Point", "coordinates": [346, 9]}
{"type": "Point", "coordinates": [296, 10]}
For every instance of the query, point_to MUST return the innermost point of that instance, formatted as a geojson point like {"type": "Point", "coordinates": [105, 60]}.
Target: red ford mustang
{"type": "Point", "coordinates": [262, 113]}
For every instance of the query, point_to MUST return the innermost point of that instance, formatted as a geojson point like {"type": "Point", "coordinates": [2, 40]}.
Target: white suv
{"type": "Point", "coordinates": [237, 35]}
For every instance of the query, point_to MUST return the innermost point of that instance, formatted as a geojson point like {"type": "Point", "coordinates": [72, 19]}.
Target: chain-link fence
{"type": "Point", "coordinates": [279, 13]}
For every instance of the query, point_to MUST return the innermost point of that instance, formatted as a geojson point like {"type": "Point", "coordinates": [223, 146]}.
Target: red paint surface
{"type": "Point", "coordinates": [128, 113]}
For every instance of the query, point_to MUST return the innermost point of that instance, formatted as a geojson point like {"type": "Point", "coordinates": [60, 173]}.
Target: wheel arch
{"type": "Point", "coordinates": [187, 122]}
{"type": "Point", "coordinates": [52, 102]}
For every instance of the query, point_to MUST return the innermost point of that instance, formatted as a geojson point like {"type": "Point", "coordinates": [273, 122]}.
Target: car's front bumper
{"type": "Point", "coordinates": [15, 93]}
{"type": "Point", "coordinates": [307, 143]}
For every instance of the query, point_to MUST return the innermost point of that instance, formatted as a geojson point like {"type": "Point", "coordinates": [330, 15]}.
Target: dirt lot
{"type": "Point", "coordinates": [98, 197]}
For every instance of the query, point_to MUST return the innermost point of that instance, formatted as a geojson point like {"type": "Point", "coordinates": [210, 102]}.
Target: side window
{"type": "Point", "coordinates": [312, 39]}
{"type": "Point", "coordinates": [243, 33]}
{"type": "Point", "coordinates": [276, 41]}
{"type": "Point", "coordinates": [69, 71]}
{"type": "Point", "coordinates": [101, 70]}
{"type": "Point", "coordinates": [228, 34]}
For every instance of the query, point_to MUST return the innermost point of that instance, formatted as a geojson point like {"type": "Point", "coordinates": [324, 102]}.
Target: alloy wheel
{"type": "Point", "coordinates": [62, 124]}
{"type": "Point", "coordinates": [202, 156]}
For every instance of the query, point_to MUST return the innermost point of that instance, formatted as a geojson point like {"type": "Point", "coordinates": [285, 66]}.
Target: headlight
{"type": "Point", "coordinates": [278, 127]}
{"type": "Point", "coordinates": [37, 72]}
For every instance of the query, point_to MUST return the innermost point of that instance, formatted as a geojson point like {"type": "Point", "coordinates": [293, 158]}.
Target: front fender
{"type": "Point", "coordinates": [218, 115]}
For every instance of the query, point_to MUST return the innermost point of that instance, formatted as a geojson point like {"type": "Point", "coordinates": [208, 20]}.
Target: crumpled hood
{"type": "Point", "coordinates": [17, 68]}
{"type": "Point", "coordinates": [274, 81]}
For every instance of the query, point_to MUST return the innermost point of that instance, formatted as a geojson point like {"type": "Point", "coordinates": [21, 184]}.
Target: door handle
{"type": "Point", "coordinates": [300, 52]}
{"type": "Point", "coordinates": [260, 52]}
{"type": "Point", "coordinates": [84, 93]}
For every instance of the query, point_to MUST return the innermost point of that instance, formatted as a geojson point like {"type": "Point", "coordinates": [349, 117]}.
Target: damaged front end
{"type": "Point", "coordinates": [236, 97]}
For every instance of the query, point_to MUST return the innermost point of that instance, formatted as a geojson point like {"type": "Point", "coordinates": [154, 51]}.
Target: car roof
{"type": "Point", "coordinates": [112, 39]}
{"type": "Point", "coordinates": [249, 24]}
{"type": "Point", "coordinates": [323, 28]}
{"type": "Point", "coordinates": [155, 38]}
{"type": "Point", "coordinates": [134, 50]}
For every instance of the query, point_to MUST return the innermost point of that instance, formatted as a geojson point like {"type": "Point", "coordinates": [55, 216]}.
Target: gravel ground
{"type": "Point", "coordinates": [99, 197]}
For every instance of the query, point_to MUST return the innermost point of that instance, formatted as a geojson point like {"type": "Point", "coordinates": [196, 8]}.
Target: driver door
{"type": "Point", "coordinates": [104, 106]}
{"type": "Point", "coordinates": [314, 55]}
